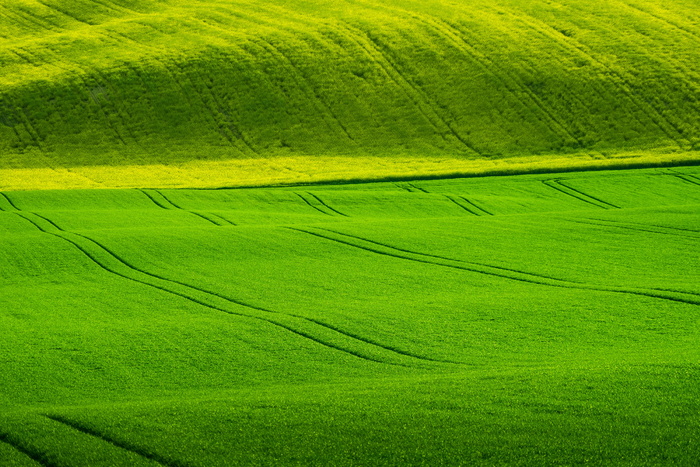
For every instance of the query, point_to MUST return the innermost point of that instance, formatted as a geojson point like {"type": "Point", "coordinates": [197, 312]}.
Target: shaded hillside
{"type": "Point", "coordinates": [92, 82]}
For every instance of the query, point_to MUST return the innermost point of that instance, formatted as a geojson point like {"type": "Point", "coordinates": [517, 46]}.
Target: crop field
{"type": "Point", "coordinates": [208, 93]}
{"type": "Point", "coordinates": [349, 232]}
{"type": "Point", "coordinates": [532, 319]}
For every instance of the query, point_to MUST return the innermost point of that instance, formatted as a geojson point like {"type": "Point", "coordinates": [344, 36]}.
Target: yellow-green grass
{"type": "Point", "coordinates": [525, 320]}
{"type": "Point", "coordinates": [122, 93]}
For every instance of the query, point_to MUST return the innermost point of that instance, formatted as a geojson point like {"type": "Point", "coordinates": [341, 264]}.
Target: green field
{"type": "Point", "coordinates": [526, 320]}
{"type": "Point", "coordinates": [349, 232]}
{"type": "Point", "coordinates": [206, 93]}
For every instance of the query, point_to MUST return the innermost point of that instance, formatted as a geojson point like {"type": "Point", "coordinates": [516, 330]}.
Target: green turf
{"type": "Point", "coordinates": [115, 82]}
{"type": "Point", "coordinates": [524, 320]}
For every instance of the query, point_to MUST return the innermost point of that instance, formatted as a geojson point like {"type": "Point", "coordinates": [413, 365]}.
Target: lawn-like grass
{"type": "Point", "coordinates": [527, 320]}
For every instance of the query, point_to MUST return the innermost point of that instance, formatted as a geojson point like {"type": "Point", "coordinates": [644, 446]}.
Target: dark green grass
{"type": "Point", "coordinates": [541, 319]}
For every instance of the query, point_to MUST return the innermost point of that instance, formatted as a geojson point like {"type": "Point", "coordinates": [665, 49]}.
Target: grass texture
{"type": "Point", "coordinates": [523, 320]}
{"type": "Point", "coordinates": [205, 92]}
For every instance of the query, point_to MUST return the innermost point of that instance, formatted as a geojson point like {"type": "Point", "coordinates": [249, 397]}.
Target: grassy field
{"type": "Point", "coordinates": [352, 232]}
{"type": "Point", "coordinates": [526, 320]}
{"type": "Point", "coordinates": [219, 93]}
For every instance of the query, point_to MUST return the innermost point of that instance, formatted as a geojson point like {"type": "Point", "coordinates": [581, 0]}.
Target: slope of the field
{"type": "Point", "coordinates": [529, 320]}
{"type": "Point", "coordinates": [246, 92]}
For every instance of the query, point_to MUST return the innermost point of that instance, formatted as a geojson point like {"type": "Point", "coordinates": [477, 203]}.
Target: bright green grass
{"type": "Point", "coordinates": [526, 320]}
{"type": "Point", "coordinates": [126, 82]}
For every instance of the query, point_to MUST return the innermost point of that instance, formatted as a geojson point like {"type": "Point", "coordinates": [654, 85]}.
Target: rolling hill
{"type": "Point", "coordinates": [522, 320]}
{"type": "Point", "coordinates": [97, 93]}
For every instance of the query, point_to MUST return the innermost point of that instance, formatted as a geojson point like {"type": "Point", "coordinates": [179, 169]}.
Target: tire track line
{"type": "Point", "coordinates": [457, 36]}
{"type": "Point", "coordinates": [488, 270]}
{"type": "Point", "coordinates": [164, 202]}
{"type": "Point", "coordinates": [476, 206]}
{"type": "Point", "coordinates": [230, 132]}
{"type": "Point", "coordinates": [689, 179]}
{"type": "Point", "coordinates": [606, 223]}
{"type": "Point", "coordinates": [326, 205]}
{"type": "Point", "coordinates": [662, 19]}
{"type": "Point", "coordinates": [37, 457]}
{"type": "Point", "coordinates": [451, 198]}
{"type": "Point", "coordinates": [418, 188]}
{"type": "Point", "coordinates": [554, 184]}
{"type": "Point", "coordinates": [560, 183]}
{"type": "Point", "coordinates": [203, 216]}
{"type": "Point", "coordinates": [313, 206]}
{"type": "Point", "coordinates": [412, 92]}
{"type": "Point", "coordinates": [160, 460]}
{"type": "Point", "coordinates": [322, 106]}
{"type": "Point", "coordinates": [217, 216]}
{"type": "Point", "coordinates": [272, 49]}
{"type": "Point", "coordinates": [26, 19]}
{"type": "Point", "coordinates": [621, 83]}
{"type": "Point", "coordinates": [176, 206]}
{"type": "Point", "coordinates": [437, 256]}
{"type": "Point", "coordinates": [81, 75]}
{"type": "Point", "coordinates": [67, 236]}
{"type": "Point", "coordinates": [65, 13]}
{"type": "Point", "coordinates": [9, 201]}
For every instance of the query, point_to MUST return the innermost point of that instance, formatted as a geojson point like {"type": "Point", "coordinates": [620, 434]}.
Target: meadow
{"type": "Point", "coordinates": [523, 320]}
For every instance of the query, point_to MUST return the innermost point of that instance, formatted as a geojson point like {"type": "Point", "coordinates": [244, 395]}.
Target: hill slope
{"type": "Point", "coordinates": [124, 82]}
{"type": "Point", "coordinates": [524, 320]}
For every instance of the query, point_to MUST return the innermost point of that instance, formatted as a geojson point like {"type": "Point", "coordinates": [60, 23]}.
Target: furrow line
{"type": "Point", "coordinates": [323, 107]}
{"type": "Point", "coordinates": [37, 457]}
{"type": "Point", "coordinates": [200, 96]}
{"type": "Point", "coordinates": [385, 65]}
{"type": "Point", "coordinates": [222, 218]}
{"type": "Point", "coordinates": [418, 188]}
{"type": "Point", "coordinates": [230, 125]}
{"type": "Point", "coordinates": [476, 206]}
{"type": "Point", "coordinates": [553, 184]}
{"type": "Point", "coordinates": [163, 62]}
{"type": "Point", "coordinates": [205, 217]}
{"type": "Point", "coordinates": [169, 201]}
{"type": "Point", "coordinates": [64, 13]}
{"type": "Point", "coordinates": [664, 227]}
{"type": "Point", "coordinates": [23, 19]}
{"type": "Point", "coordinates": [560, 183]}
{"type": "Point", "coordinates": [315, 207]}
{"type": "Point", "coordinates": [247, 305]}
{"type": "Point", "coordinates": [419, 99]}
{"type": "Point", "coordinates": [452, 31]}
{"type": "Point", "coordinates": [377, 344]}
{"type": "Point", "coordinates": [152, 198]}
{"type": "Point", "coordinates": [620, 82]}
{"type": "Point", "coordinates": [688, 179]}
{"type": "Point", "coordinates": [114, 442]}
{"type": "Point", "coordinates": [486, 271]}
{"type": "Point", "coordinates": [473, 263]}
{"type": "Point", "coordinates": [40, 21]}
{"type": "Point", "coordinates": [66, 236]}
{"type": "Point", "coordinates": [461, 206]}
{"type": "Point", "coordinates": [108, 6]}
{"type": "Point", "coordinates": [7, 198]}
{"type": "Point", "coordinates": [604, 223]}
{"type": "Point", "coordinates": [663, 20]}
{"type": "Point", "coordinates": [215, 107]}
{"type": "Point", "coordinates": [326, 205]}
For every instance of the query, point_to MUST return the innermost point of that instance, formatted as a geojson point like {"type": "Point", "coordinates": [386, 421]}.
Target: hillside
{"type": "Point", "coordinates": [254, 92]}
{"type": "Point", "coordinates": [529, 320]}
